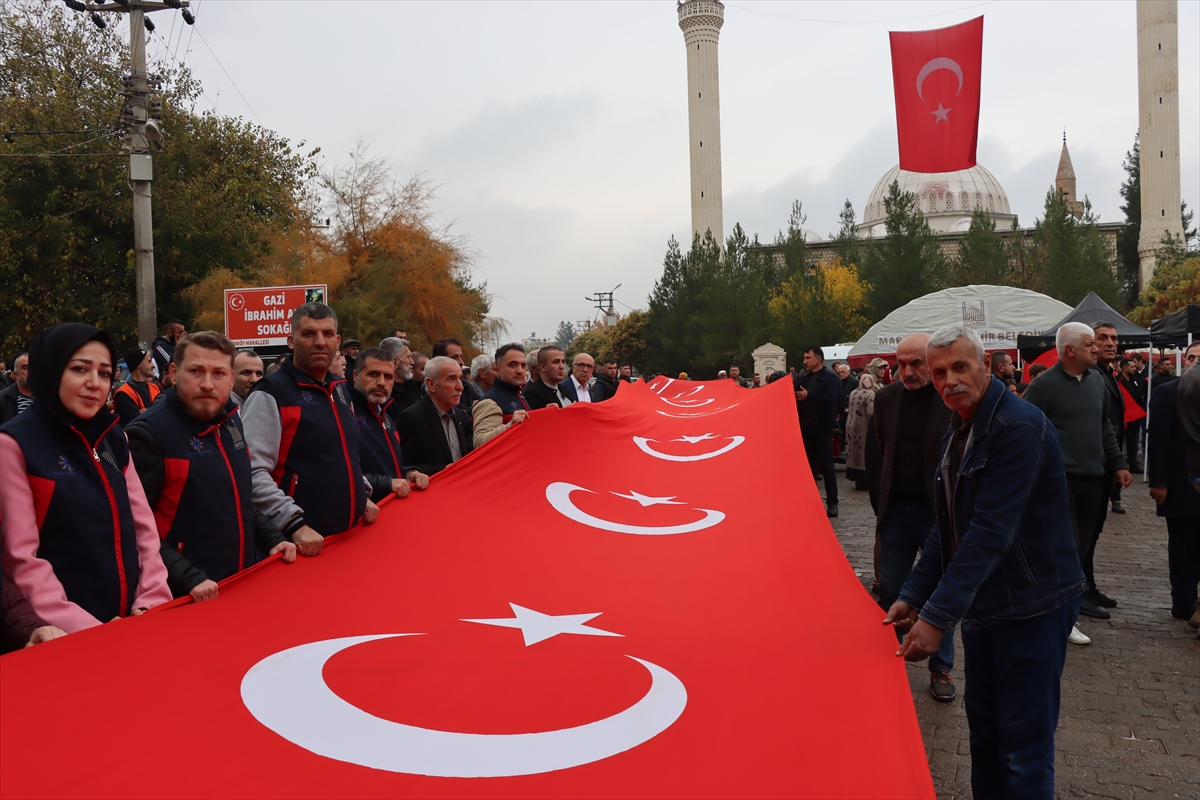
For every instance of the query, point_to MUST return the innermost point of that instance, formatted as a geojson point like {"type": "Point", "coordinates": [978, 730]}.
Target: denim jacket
{"type": "Point", "coordinates": [1015, 556]}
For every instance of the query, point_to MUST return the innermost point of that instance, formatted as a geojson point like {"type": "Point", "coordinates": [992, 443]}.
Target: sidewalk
{"type": "Point", "coordinates": [1130, 720]}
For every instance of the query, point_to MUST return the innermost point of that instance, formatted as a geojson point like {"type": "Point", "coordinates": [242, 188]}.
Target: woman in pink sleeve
{"type": "Point", "coordinates": [79, 539]}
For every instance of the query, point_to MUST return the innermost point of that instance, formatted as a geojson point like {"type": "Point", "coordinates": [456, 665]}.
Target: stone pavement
{"type": "Point", "coordinates": [1130, 719]}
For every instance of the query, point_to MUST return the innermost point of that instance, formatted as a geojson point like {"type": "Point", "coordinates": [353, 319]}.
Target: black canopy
{"type": "Point", "coordinates": [1177, 325]}
{"type": "Point", "coordinates": [1089, 312]}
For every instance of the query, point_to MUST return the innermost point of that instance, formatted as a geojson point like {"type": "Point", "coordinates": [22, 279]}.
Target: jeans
{"type": "Point", "coordinates": [1014, 672]}
{"type": "Point", "coordinates": [818, 445]}
{"type": "Point", "coordinates": [1085, 496]}
{"type": "Point", "coordinates": [1183, 561]}
{"type": "Point", "coordinates": [903, 532]}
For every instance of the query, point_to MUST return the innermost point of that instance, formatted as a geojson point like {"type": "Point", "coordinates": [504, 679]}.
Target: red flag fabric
{"type": "Point", "coordinates": [1133, 412]}
{"type": "Point", "coordinates": [641, 597]}
{"type": "Point", "coordinates": [936, 77]}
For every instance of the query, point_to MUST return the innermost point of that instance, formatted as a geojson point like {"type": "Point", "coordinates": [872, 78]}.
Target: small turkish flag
{"type": "Point", "coordinates": [936, 76]}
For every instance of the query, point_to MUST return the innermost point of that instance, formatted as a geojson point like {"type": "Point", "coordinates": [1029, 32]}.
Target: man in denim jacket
{"type": "Point", "coordinates": [1002, 560]}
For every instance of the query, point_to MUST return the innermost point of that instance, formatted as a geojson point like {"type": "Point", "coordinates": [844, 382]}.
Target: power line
{"type": "Point", "coordinates": [227, 75]}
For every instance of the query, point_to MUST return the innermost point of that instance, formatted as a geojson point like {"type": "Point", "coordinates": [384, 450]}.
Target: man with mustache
{"type": "Point", "coordinates": [379, 451]}
{"type": "Point", "coordinates": [304, 442]}
{"type": "Point", "coordinates": [1072, 395]}
{"type": "Point", "coordinates": [190, 452]}
{"type": "Point", "coordinates": [910, 421]}
{"type": "Point", "coordinates": [1001, 562]}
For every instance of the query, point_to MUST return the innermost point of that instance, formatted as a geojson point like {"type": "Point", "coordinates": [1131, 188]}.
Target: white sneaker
{"type": "Point", "coordinates": [1077, 637]}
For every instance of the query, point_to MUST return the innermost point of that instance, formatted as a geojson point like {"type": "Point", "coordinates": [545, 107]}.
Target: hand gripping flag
{"type": "Point", "coordinates": [936, 76]}
{"type": "Point", "coordinates": [636, 598]}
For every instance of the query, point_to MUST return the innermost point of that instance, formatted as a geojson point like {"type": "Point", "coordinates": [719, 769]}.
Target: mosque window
{"type": "Point", "coordinates": [964, 202]}
{"type": "Point", "coordinates": [978, 200]}
{"type": "Point", "coordinates": [991, 205]}
{"type": "Point", "coordinates": [949, 201]}
{"type": "Point", "coordinates": [932, 202]}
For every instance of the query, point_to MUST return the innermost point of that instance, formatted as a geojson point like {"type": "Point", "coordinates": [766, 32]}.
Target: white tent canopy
{"type": "Point", "coordinates": [999, 314]}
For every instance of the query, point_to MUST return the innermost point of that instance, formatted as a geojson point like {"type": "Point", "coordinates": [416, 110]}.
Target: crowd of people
{"type": "Point", "coordinates": [205, 462]}
{"type": "Point", "coordinates": [990, 493]}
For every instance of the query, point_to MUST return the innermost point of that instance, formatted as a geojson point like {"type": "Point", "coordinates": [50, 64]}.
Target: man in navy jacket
{"type": "Point", "coordinates": [817, 390]}
{"type": "Point", "coordinates": [1002, 561]}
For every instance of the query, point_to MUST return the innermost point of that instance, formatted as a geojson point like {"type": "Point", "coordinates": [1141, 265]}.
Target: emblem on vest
{"type": "Point", "coordinates": [362, 419]}
{"type": "Point", "coordinates": [64, 467]}
{"type": "Point", "coordinates": [238, 442]}
{"type": "Point", "coordinates": [196, 444]}
{"type": "Point", "coordinates": [306, 396]}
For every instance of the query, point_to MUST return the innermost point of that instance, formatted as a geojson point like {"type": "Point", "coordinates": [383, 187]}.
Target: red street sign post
{"type": "Point", "coordinates": [262, 317]}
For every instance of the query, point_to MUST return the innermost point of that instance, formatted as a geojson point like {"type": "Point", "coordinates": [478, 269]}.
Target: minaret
{"type": "Point", "coordinates": [701, 22]}
{"type": "Point", "coordinates": [1064, 181]}
{"type": "Point", "coordinates": [1158, 107]}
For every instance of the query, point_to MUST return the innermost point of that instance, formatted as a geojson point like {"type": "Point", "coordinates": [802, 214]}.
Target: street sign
{"type": "Point", "coordinates": [262, 317]}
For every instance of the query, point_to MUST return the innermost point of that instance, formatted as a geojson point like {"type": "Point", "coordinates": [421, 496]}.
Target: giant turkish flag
{"type": "Point", "coordinates": [638, 598]}
{"type": "Point", "coordinates": [936, 76]}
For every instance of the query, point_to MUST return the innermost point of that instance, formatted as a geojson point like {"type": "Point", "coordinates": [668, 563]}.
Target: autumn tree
{"type": "Point", "coordinates": [1176, 283]}
{"type": "Point", "coordinates": [825, 306]}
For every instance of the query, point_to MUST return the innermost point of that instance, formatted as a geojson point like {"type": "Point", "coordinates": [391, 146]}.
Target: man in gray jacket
{"type": "Point", "coordinates": [1072, 395]}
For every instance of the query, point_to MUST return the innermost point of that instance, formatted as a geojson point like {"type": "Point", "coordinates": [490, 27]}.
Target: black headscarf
{"type": "Point", "coordinates": [48, 357]}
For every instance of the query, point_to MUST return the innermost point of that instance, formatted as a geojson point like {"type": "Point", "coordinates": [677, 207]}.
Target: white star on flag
{"type": "Point", "coordinates": [942, 114]}
{"type": "Point", "coordinates": [694, 439]}
{"type": "Point", "coordinates": [537, 627]}
{"type": "Point", "coordinates": [645, 500]}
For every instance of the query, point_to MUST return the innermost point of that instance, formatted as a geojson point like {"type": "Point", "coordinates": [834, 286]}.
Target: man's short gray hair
{"type": "Point", "coordinates": [481, 363]}
{"type": "Point", "coordinates": [949, 334]}
{"type": "Point", "coordinates": [1071, 333]}
{"type": "Point", "coordinates": [439, 367]}
{"type": "Point", "coordinates": [393, 346]}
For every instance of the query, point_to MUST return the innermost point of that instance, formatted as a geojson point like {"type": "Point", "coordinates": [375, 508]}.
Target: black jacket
{"type": "Point", "coordinates": [404, 394]}
{"type": "Point", "coordinates": [1114, 401]}
{"type": "Point", "coordinates": [8, 403]}
{"type": "Point", "coordinates": [605, 388]}
{"type": "Point", "coordinates": [1168, 453]}
{"type": "Point", "coordinates": [424, 438]}
{"type": "Point", "coordinates": [887, 422]}
{"type": "Point", "coordinates": [820, 408]}
{"type": "Point", "coordinates": [539, 395]}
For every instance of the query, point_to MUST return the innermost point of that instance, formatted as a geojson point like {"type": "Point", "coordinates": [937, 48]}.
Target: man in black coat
{"type": "Point", "coordinates": [548, 389]}
{"type": "Point", "coordinates": [1136, 387]}
{"type": "Point", "coordinates": [1114, 408]}
{"type": "Point", "coordinates": [1172, 491]}
{"type": "Point", "coordinates": [605, 387]}
{"type": "Point", "coordinates": [435, 432]}
{"type": "Point", "coordinates": [19, 396]}
{"type": "Point", "coordinates": [817, 390]}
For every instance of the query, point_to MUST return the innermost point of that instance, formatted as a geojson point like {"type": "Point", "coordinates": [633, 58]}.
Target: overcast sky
{"type": "Point", "coordinates": [558, 131]}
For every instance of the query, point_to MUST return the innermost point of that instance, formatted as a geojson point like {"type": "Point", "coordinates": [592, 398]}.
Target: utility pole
{"type": "Point", "coordinates": [143, 131]}
{"type": "Point", "coordinates": [604, 302]}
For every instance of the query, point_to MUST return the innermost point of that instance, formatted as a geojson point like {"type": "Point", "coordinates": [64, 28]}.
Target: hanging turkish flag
{"type": "Point", "coordinates": [636, 598]}
{"type": "Point", "coordinates": [1133, 412]}
{"type": "Point", "coordinates": [936, 76]}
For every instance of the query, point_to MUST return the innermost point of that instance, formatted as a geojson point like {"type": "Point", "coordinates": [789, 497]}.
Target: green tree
{"type": "Point", "coordinates": [908, 262]}
{"type": "Point", "coordinates": [1128, 269]}
{"type": "Point", "coordinates": [824, 306]}
{"type": "Point", "coordinates": [1175, 284]}
{"type": "Point", "coordinates": [223, 188]}
{"type": "Point", "coordinates": [1073, 257]}
{"type": "Point", "coordinates": [564, 335]}
{"type": "Point", "coordinates": [982, 257]}
{"type": "Point", "coordinates": [846, 242]}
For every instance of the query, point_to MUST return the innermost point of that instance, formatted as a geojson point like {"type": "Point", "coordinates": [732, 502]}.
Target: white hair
{"type": "Point", "coordinates": [438, 367]}
{"type": "Point", "coordinates": [1071, 333]}
{"type": "Point", "coordinates": [393, 346]}
{"type": "Point", "coordinates": [949, 334]}
{"type": "Point", "coordinates": [481, 363]}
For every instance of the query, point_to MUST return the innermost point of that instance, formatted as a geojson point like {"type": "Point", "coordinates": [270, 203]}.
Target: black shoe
{"type": "Point", "coordinates": [1090, 609]}
{"type": "Point", "coordinates": [1098, 598]}
{"type": "Point", "coordinates": [831, 510]}
{"type": "Point", "coordinates": [941, 687]}
{"type": "Point", "coordinates": [1117, 508]}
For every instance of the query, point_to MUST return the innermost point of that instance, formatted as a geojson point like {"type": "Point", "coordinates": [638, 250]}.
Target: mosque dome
{"type": "Point", "coordinates": [946, 199]}
{"type": "Point", "coordinates": [811, 236]}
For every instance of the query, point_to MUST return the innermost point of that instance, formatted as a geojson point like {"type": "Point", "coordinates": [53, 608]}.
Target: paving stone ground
{"type": "Point", "coordinates": [1130, 720]}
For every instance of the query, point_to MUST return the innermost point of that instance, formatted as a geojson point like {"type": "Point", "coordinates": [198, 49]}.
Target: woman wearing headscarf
{"type": "Point", "coordinates": [862, 408]}
{"type": "Point", "coordinates": [79, 538]}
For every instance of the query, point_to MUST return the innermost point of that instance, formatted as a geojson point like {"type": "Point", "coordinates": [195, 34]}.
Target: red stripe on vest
{"type": "Point", "coordinates": [43, 490]}
{"type": "Point", "coordinates": [176, 470]}
{"type": "Point", "coordinates": [289, 419]}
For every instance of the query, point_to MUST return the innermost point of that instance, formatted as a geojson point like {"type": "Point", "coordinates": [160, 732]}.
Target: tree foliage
{"type": "Point", "coordinates": [624, 341]}
{"type": "Point", "coordinates": [564, 335]}
{"type": "Point", "coordinates": [908, 263]}
{"type": "Point", "coordinates": [223, 189]}
{"type": "Point", "coordinates": [824, 305]}
{"type": "Point", "coordinates": [1074, 259]}
{"type": "Point", "coordinates": [1175, 284]}
{"type": "Point", "coordinates": [982, 257]}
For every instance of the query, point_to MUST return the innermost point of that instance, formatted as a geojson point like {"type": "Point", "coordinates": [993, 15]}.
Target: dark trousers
{"type": "Point", "coordinates": [902, 532]}
{"type": "Point", "coordinates": [1085, 496]}
{"type": "Point", "coordinates": [1183, 562]}
{"type": "Point", "coordinates": [818, 444]}
{"type": "Point", "coordinates": [1133, 438]}
{"type": "Point", "coordinates": [1014, 673]}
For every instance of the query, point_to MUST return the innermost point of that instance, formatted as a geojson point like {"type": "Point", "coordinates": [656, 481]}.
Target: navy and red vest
{"type": "Point", "coordinates": [81, 501]}
{"type": "Point", "coordinates": [508, 397]}
{"type": "Point", "coordinates": [379, 442]}
{"type": "Point", "coordinates": [317, 465]}
{"type": "Point", "coordinates": [204, 511]}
